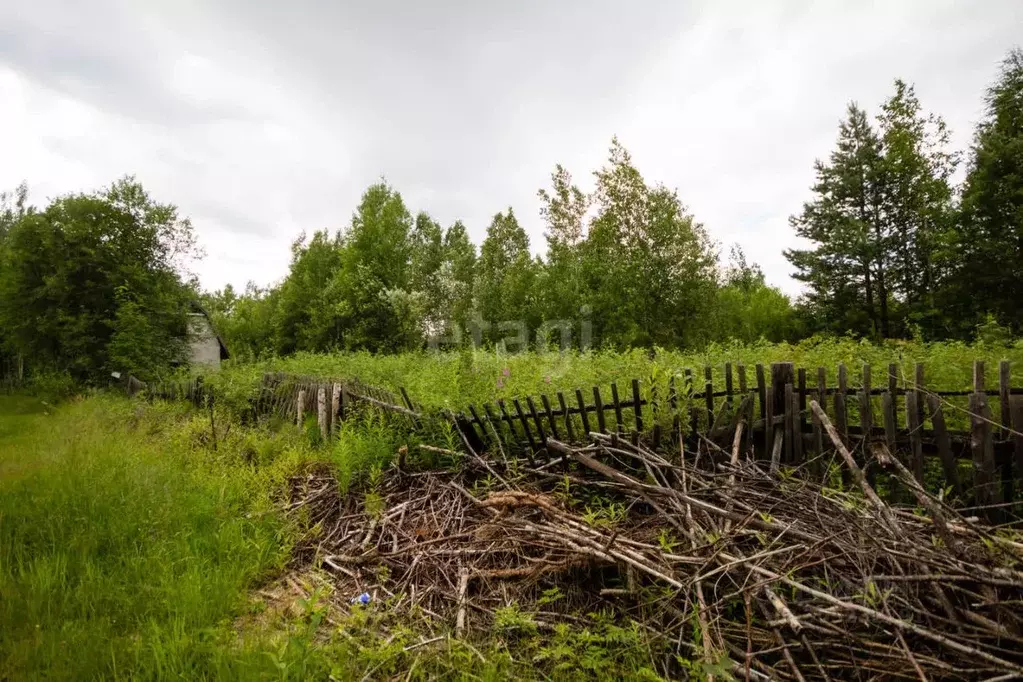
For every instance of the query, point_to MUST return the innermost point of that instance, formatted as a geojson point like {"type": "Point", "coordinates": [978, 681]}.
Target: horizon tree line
{"type": "Point", "coordinates": [95, 281]}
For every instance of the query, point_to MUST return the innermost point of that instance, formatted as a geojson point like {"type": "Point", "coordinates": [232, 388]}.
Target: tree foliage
{"type": "Point", "coordinates": [92, 274]}
{"type": "Point", "coordinates": [92, 281]}
{"type": "Point", "coordinates": [627, 260]}
{"type": "Point", "coordinates": [989, 238]}
{"type": "Point", "coordinates": [881, 211]}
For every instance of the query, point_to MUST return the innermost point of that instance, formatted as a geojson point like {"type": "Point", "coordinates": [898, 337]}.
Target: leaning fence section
{"type": "Point", "coordinates": [969, 442]}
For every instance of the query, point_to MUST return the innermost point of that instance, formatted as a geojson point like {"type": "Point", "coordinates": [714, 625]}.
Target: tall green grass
{"type": "Point", "coordinates": [454, 379]}
{"type": "Point", "coordinates": [123, 545]}
{"type": "Point", "coordinates": [131, 548]}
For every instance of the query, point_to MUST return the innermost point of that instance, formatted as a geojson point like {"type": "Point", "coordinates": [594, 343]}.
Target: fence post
{"type": "Point", "coordinates": [893, 390]}
{"type": "Point", "coordinates": [601, 423]}
{"type": "Point", "coordinates": [890, 425]}
{"type": "Point", "coordinates": [568, 418]}
{"type": "Point", "coordinates": [1003, 397]}
{"type": "Point", "coordinates": [913, 423]}
{"type": "Point", "coordinates": [822, 400]}
{"type": "Point", "coordinates": [1016, 410]}
{"type": "Point", "coordinates": [708, 397]}
{"type": "Point", "coordinates": [801, 421]}
{"type": "Point", "coordinates": [619, 427]}
{"type": "Point", "coordinates": [335, 408]}
{"type": "Point", "coordinates": [728, 385]}
{"type": "Point", "coordinates": [300, 407]}
{"type": "Point", "coordinates": [944, 443]}
{"type": "Point", "coordinates": [321, 412]}
{"type": "Point", "coordinates": [637, 408]}
{"type": "Point", "coordinates": [762, 392]}
{"type": "Point", "coordinates": [582, 414]}
{"type": "Point", "coordinates": [782, 374]}
{"type": "Point", "coordinates": [986, 489]}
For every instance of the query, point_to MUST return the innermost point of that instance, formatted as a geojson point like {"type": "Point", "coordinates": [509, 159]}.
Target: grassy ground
{"type": "Point", "coordinates": [455, 379]}
{"type": "Point", "coordinates": [131, 548]}
{"type": "Point", "coordinates": [118, 550]}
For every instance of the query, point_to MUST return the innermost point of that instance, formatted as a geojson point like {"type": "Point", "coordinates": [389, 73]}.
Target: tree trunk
{"type": "Point", "coordinates": [868, 287]}
{"type": "Point", "coordinates": [882, 292]}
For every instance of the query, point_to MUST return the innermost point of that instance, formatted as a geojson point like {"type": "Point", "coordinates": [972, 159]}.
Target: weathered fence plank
{"type": "Point", "coordinates": [321, 412]}
{"type": "Point", "coordinates": [888, 413]}
{"type": "Point", "coordinates": [801, 421]}
{"type": "Point", "coordinates": [525, 426]}
{"type": "Point", "coordinates": [335, 408]}
{"type": "Point", "coordinates": [568, 417]}
{"type": "Point", "coordinates": [599, 404]}
{"type": "Point", "coordinates": [728, 385]}
{"type": "Point", "coordinates": [541, 432]}
{"type": "Point", "coordinates": [982, 447]}
{"type": "Point", "coordinates": [637, 406]}
{"type": "Point", "coordinates": [762, 390]}
{"type": "Point", "coordinates": [790, 423]}
{"type": "Point", "coordinates": [582, 413]}
{"type": "Point", "coordinates": [915, 437]}
{"type": "Point", "coordinates": [1004, 377]}
{"type": "Point", "coordinates": [708, 395]}
{"type": "Point", "coordinates": [841, 415]}
{"type": "Point", "coordinates": [550, 416]}
{"type": "Point", "coordinates": [1016, 412]}
{"type": "Point", "coordinates": [619, 428]}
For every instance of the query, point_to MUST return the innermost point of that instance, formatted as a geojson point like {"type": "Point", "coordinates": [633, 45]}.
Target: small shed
{"type": "Point", "coordinates": [206, 348]}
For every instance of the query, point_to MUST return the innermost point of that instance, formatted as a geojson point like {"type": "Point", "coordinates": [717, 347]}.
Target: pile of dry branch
{"type": "Point", "coordinates": [787, 578]}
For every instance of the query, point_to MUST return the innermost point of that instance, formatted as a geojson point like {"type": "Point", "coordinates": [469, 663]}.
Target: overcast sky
{"type": "Point", "coordinates": [261, 119]}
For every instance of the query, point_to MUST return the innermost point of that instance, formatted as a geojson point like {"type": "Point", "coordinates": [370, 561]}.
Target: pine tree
{"type": "Point", "coordinates": [846, 270]}
{"type": "Point", "coordinates": [990, 234]}
{"type": "Point", "coordinates": [917, 206]}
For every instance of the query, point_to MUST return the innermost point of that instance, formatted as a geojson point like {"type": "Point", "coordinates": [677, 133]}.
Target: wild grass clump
{"type": "Point", "coordinates": [136, 542]}
{"type": "Point", "coordinates": [454, 379]}
{"type": "Point", "coordinates": [123, 540]}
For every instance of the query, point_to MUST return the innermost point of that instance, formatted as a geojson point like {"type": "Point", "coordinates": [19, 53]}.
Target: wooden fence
{"type": "Point", "coordinates": [900, 417]}
{"type": "Point", "coordinates": [970, 441]}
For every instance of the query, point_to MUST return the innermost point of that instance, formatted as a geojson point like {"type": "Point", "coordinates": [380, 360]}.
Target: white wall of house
{"type": "Point", "coordinates": [202, 340]}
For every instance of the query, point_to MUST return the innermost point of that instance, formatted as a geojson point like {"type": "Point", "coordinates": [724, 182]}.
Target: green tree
{"type": "Point", "coordinates": [427, 256]}
{"type": "Point", "coordinates": [748, 309]}
{"type": "Point", "coordinates": [505, 276]}
{"type": "Point", "coordinates": [561, 283]}
{"type": "Point", "coordinates": [248, 322]}
{"type": "Point", "coordinates": [13, 207]}
{"type": "Point", "coordinates": [376, 309]}
{"type": "Point", "coordinates": [307, 316]}
{"type": "Point", "coordinates": [458, 275]}
{"type": "Point", "coordinates": [142, 343]}
{"type": "Point", "coordinates": [990, 235]}
{"type": "Point", "coordinates": [67, 271]}
{"type": "Point", "coordinates": [846, 269]}
{"type": "Point", "coordinates": [879, 224]}
{"type": "Point", "coordinates": [917, 206]}
{"type": "Point", "coordinates": [648, 266]}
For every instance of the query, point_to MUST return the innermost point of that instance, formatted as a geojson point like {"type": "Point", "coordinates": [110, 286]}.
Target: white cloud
{"type": "Point", "coordinates": [263, 119]}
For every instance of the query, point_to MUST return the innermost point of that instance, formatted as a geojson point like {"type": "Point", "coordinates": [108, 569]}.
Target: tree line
{"type": "Point", "coordinates": [94, 283]}
{"type": "Point", "coordinates": [897, 249]}
{"type": "Point", "coordinates": [628, 260]}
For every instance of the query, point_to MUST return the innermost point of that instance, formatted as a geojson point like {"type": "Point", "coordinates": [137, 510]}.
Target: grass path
{"type": "Point", "coordinates": [122, 554]}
